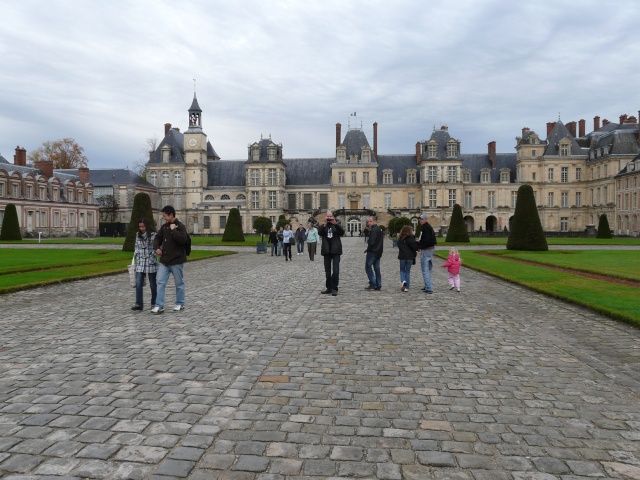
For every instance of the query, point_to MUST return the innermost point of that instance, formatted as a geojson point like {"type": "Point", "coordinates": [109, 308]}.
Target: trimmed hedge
{"type": "Point", "coordinates": [233, 230]}
{"type": "Point", "coordinates": [10, 224]}
{"type": "Point", "coordinates": [141, 208]}
{"type": "Point", "coordinates": [603, 227]}
{"type": "Point", "coordinates": [457, 228]}
{"type": "Point", "coordinates": [526, 229]}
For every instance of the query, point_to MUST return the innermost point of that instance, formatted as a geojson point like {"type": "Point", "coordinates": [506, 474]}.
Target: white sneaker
{"type": "Point", "coordinates": [177, 308]}
{"type": "Point", "coordinates": [157, 310]}
{"type": "Point", "coordinates": [403, 286]}
{"type": "Point", "coordinates": [458, 290]}
{"type": "Point", "coordinates": [451, 287]}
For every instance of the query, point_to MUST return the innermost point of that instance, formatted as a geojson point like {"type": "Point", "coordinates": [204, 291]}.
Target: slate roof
{"type": "Point", "coordinates": [354, 140]}
{"type": "Point", "coordinates": [620, 141]}
{"type": "Point", "coordinates": [62, 175]}
{"type": "Point", "coordinates": [558, 133]}
{"type": "Point", "coordinates": [175, 140]}
{"type": "Point", "coordinates": [264, 157]}
{"type": "Point", "coordinates": [226, 173]}
{"type": "Point", "coordinates": [398, 164]}
{"type": "Point", "coordinates": [441, 137]}
{"type": "Point", "coordinates": [106, 177]}
{"type": "Point", "coordinates": [309, 171]}
{"type": "Point", "coordinates": [476, 162]}
{"type": "Point", "coordinates": [631, 168]}
{"type": "Point", "coordinates": [3, 160]}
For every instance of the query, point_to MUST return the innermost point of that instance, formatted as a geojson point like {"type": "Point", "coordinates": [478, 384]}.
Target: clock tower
{"type": "Point", "coordinates": [195, 157]}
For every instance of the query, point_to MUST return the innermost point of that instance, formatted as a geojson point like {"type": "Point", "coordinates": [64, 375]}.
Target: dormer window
{"type": "Point", "coordinates": [485, 176]}
{"type": "Point", "coordinates": [411, 176]}
{"type": "Point", "coordinates": [387, 177]}
{"type": "Point", "coordinates": [466, 176]}
{"type": "Point", "coordinates": [366, 155]}
{"type": "Point", "coordinates": [505, 176]}
{"type": "Point", "coordinates": [452, 149]}
{"type": "Point", "coordinates": [565, 150]}
{"type": "Point", "coordinates": [271, 153]}
{"type": "Point", "coordinates": [166, 154]}
{"type": "Point", "coordinates": [255, 153]}
{"type": "Point", "coordinates": [341, 154]}
{"type": "Point", "coordinates": [432, 150]}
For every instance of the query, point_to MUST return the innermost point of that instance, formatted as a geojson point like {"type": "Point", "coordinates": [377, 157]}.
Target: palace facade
{"type": "Point", "coordinates": [576, 177]}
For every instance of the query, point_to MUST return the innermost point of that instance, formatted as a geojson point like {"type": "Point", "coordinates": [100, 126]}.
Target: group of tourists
{"type": "Point", "coordinates": [169, 245]}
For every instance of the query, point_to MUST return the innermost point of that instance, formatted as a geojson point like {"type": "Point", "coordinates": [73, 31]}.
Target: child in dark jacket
{"type": "Point", "coordinates": [453, 264]}
{"type": "Point", "coordinates": [407, 249]}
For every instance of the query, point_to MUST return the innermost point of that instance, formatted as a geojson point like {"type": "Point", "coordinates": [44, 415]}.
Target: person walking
{"type": "Point", "coordinates": [146, 262]}
{"type": "Point", "coordinates": [426, 245]}
{"type": "Point", "coordinates": [374, 249]}
{"type": "Point", "coordinates": [301, 236]}
{"type": "Point", "coordinates": [273, 240]}
{"type": "Point", "coordinates": [453, 264]}
{"type": "Point", "coordinates": [312, 241]}
{"type": "Point", "coordinates": [287, 240]}
{"type": "Point", "coordinates": [169, 244]}
{"type": "Point", "coordinates": [407, 251]}
{"type": "Point", "coordinates": [331, 250]}
{"type": "Point", "coordinates": [280, 237]}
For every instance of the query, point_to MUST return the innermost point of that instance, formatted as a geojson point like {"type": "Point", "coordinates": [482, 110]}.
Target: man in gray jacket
{"type": "Point", "coordinates": [375, 245]}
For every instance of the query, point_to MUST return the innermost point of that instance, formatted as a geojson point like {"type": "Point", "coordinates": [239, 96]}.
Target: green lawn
{"type": "Point", "coordinates": [551, 241]}
{"type": "Point", "coordinates": [29, 268]}
{"type": "Point", "coordinates": [611, 299]}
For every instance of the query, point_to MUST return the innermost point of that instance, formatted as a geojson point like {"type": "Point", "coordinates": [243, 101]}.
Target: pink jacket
{"type": "Point", "coordinates": [453, 264]}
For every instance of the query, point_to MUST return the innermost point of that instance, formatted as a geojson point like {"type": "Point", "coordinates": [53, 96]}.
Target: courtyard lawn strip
{"type": "Point", "coordinates": [610, 299]}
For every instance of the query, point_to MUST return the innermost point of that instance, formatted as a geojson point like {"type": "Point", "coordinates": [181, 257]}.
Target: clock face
{"type": "Point", "coordinates": [193, 142]}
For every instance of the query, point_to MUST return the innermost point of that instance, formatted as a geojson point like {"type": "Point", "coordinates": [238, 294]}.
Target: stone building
{"type": "Point", "coordinates": [49, 201]}
{"type": "Point", "coordinates": [573, 175]}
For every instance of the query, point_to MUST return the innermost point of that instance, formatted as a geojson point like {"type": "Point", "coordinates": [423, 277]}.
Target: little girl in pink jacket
{"type": "Point", "coordinates": [453, 265]}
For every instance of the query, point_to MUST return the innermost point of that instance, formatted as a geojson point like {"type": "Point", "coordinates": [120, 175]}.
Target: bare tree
{"type": "Point", "coordinates": [65, 153]}
{"type": "Point", "coordinates": [140, 166]}
{"type": "Point", "coordinates": [108, 208]}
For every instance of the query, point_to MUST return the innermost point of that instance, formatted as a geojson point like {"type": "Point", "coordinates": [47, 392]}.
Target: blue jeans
{"type": "Point", "coordinates": [426, 263]}
{"type": "Point", "coordinates": [332, 278]}
{"type": "Point", "coordinates": [163, 277]}
{"type": "Point", "coordinates": [405, 272]}
{"type": "Point", "coordinates": [372, 265]}
{"type": "Point", "coordinates": [274, 249]}
{"type": "Point", "coordinates": [139, 287]}
{"type": "Point", "coordinates": [300, 246]}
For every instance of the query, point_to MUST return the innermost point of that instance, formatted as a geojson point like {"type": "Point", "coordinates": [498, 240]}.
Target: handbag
{"type": "Point", "coordinates": [292, 240]}
{"type": "Point", "coordinates": [132, 272]}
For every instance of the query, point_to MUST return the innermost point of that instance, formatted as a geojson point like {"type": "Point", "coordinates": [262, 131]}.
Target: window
{"type": "Point", "coordinates": [70, 195]}
{"type": "Point", "coordinates": [307, 201]}
{"type": "Point", "coordinates": [452, 150]}
{"type": "Point", "coordinates": [340, 177]}
{"type": "Point", "coordinates": [273, 220]}
{"type": "Point", "coordinates": [412, 200]}
{"type": "Point", "coordinates": [29, 191]}
{"type": "Point", "coordinates": [72, 219]}
{"type": "Point", "coordinates": [514, 199]}
{"type": "Point", "coordinates": [225, 197]}
{"type": "Point", "coordinates": [1, 189]}
{"type": "Point", "coordinates": [273, 177]}
{"type": "Point", "coordinates": [177, 179]}
{"type": "Point", "coordinates": [240, 196]}
{"type": "Point", "coordinates": [153, 177]}
{"type": "Point", "coordinates": [273, 199]}
{"type": "Point", "coordinates": [353, 177]}
{"type": "Point", "coordinates": [550, 175]}
{"type": "Point", "coordinates": [605, 194]}
{"type": "Point", "coordinates": [452, 197]}
{"type": "Point", "coordinates": [209, 198]}
{"type": "Point", "coordinates": [466, 176]}
{"type": "Point", "coordinates": [564, 224]}
{"type": "Point", "coordinates": [177, 202]}
{"type": "Point", "coordinates": [387, 201]}
{"type": "Point", "coordinates": [533, 176]}
{"type": "Point", "coordinates": [341, 200]}
{"type": "Point", "coordinates": [491, 199]}
{"type": "Point", "coordinates": [206, 222]}
{"type": "Point", "coordinates": [254, 177]}
{"type": "Point", "coordinates": [16, 191]}
{"type": "Point", "coordinates": [505, 177]}
{"type": "Point", "coordinates": [433, 196]}
{"type": "Point", "coordinates": [292, 201]}
{"type": "Point", "coordinates": [550, 202]}
{"type": "Point", "coordinates": [165, 200]}
{"type": "Point", "coordinates": [165, 179]}
{"type": "Point", "coordinates": [324, 201]}
{"type": "Point", "coordinates": [411, 177]}
{"type": "Point", "coordinates": [166, 153]}
{"type": "Point", "coordinates": [387, 178]}
{"type": "Point", "coordinates": [433, 174]}
{"type": "Point", "coordinates": [564, 199]}
{"type": "Point", "coordinates": [223, 221]}
{"type": "Point", "coordinates": [255, 199]}
{"type": "Point", "coordinates": [578, 199]}
{"type": "Point", "coordinates": [56, 219]}
{"type": "Point", "coordinates": [564, 175]}
{"type": "Point", "coordinates": [43, 219]}
{"type": "Point", "coordinates": [564, 150]}
{"type": "Point", "coordinates": [452, 174]}
{"type": "Point", "coordinates": [271, 152]}
{"type": "Point", "coordinates": [606, 168]}
{"type": "Point", "coordinates": [365, 178]}
{"type": "Point", "coordinates": [485, 177]}
{"type": "Point", "coordinates": [432, 150]}
{"type": "Point", "coordinates": [533, 153]}
{"type": "Point", "coordinates": [366, 200]}
{"type": "Point", "coordinates": [255, 153]}
{"type": "Point", "coordinates": [468, 202]}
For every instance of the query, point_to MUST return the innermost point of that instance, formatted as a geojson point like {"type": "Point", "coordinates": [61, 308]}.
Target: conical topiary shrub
{"type": "Point", "coordinates": [233, 230]}
{"type": "Point", "coordinates": [526, 229]}
{"type": "Point", "coordinates": [141, 208]}
{"type": "Point", "coordinates": [457, 228]}
{"type": "Point", "coordinates": [10, 224]}
{"type": "Point", "coordinates": [603, 227]}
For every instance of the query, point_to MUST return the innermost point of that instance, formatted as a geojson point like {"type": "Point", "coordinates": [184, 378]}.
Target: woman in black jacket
{"type": "Point", "coordinates": [407, 250]}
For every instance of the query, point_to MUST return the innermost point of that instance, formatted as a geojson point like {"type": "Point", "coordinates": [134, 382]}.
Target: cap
{"type": "Point", "coordinates": [424, 216]}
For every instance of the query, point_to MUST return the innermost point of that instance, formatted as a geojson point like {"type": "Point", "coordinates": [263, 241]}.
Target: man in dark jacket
{"type": "Point", "coordinates": [273, 240]}
{"type": "Point", "coordinates": [426, 244]}
{"type": "Point", "coordinates": [169, 244]}
{"type": "Point", "coordinates": [331, 249]}
{"type": "Point", "coordinates": [374, 253]}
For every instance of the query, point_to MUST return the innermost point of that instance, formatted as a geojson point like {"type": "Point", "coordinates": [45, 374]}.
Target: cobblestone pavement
{"type": "Point", "coordinates": [262, 377]}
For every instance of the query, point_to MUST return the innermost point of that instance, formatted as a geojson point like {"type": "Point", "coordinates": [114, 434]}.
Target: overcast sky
{"type": "Point", "coordinates": [111, 74]}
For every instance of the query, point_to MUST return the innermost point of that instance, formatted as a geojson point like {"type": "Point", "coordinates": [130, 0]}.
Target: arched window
{"type": "Point", "coordinates": [225, 197]}
{"type": "Point", "coordinates": [241, 197]}
{"type": "Point", "coordinates": [165, 179]}
{"type": "Point", "coordinates": [153, 177]}
{"type": "Point", "coordinates": [208, 198]}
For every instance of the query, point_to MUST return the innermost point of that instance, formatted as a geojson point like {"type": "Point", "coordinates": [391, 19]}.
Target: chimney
{"type": "Point", "coordinates": [20, 157]}
{"type": "Point", "coordinates": [631, 119]}
{"type": "Point", "coordinates": [571, 126]}
{"type": "Point", "coordinates": [605, 122]}
{"type": "Point", "coordinates": [596, 123]}
{"type": "Point", "coordinates": [338, 135]}
{"type": "Point", "coordinates": [45, 167]}
{"type": "Point", "coordinates": [581, 125]}
{"type": "Point", "coordinates": [167, 127]}
{"type": "Point", "coordinates": [550, 126]}
{"type": "Point", "coordinates": [492, 153]}
{"type": "Point", "coordinates": [623, 117]}
{"type": "Point", "coordinates": [524, 130]}
{"type": "Point", "coordinates": [418, 156]}
{"type": "Point", "coordinates": [83, 173]}
{"type": "Point", "coordinates": [375, 139]}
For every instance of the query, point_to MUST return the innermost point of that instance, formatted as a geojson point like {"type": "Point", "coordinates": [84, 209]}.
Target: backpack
{"type": "Point", "coordinates": [187, 246]}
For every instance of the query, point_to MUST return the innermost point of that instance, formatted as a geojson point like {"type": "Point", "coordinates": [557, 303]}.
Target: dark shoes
{"type": "Point", "coordinates": [136, 307]}
{"type": "Point", "coordinates": [334, 292]}
{"type": "Point", "coordinates": [370, 287]}
{"type": "Point", "coordinates": [326, 291]}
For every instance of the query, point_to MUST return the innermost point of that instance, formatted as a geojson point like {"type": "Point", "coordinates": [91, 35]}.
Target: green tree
{"type": "Point", "coordinates": [262, 225]}
{"type": "Point", "coordinates": [457, 231]}
{"type": "Point", "coordinates": [526, 229]}
{"type": "Point", "coordinates": [10, 224]}
{"type": "Point", "coordinates": [141, 208]}
{"type": "Point", "coordinates": [65, 153]}
{"type": "Point", "coordinates": [396, 224]}
{"type": "Point", "coordinates": [603, 227]}
{"type": "Point", "coordinates": [233, 230]}
{"type": "Point", "coordinates": [282, 222]}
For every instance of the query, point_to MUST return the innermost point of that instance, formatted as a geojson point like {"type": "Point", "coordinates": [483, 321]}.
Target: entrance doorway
{"type": "Point", "coordinates": [354, 227]}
